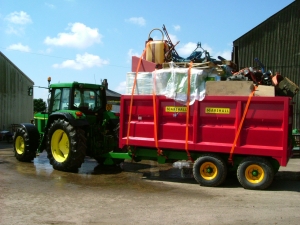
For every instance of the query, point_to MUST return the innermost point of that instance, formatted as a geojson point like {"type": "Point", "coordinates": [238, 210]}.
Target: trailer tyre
{"type": "Point", "coordinates": [210, 170]}
{"type": "Point", "coordinates": [255, 173]}
{"type": "Point", "coordinates": [24, 148]}
{"type": "Point", "coordinates": [66, 146]}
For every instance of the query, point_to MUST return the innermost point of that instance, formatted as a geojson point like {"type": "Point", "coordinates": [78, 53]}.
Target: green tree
{"type": "Point", "coordinates": [39, 105]}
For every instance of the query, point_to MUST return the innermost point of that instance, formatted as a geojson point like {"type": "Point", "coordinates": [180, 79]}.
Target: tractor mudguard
{"type": "Point", "coordinates": [33, 133]}
{"type": "Point", "coordinates": [74, 122]}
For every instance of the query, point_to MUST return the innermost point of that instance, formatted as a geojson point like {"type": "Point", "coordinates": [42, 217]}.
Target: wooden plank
{"type": "Point", "coordinates": [263, 90]}
{"type": "Point", "coordinates": [229, 88]}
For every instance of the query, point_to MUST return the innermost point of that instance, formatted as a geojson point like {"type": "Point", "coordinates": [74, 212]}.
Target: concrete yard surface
{"type": "Point", "coordinates": [140, 193]}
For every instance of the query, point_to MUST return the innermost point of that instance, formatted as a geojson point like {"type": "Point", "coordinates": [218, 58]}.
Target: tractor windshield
{"type": "Point", "coordinates": [87, 99]}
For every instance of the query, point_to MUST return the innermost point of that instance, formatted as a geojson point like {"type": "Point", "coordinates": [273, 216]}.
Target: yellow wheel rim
{"type": "Point", "coordinates": [254, 174]}
{"type": "Point", "coordinates": [208, 171]}
{"type": "Point", "coordinates": [20, 145]}
{"type": "Point", "coordinates": [60, 145]}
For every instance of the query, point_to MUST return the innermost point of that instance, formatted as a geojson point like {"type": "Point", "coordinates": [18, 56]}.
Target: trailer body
{"type": "Point", "coordinates": [157, 122]}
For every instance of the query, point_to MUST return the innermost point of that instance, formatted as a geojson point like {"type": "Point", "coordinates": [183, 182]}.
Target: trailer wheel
{"type": "Point", "coordinates": [210, 170]}
{"type": "Point", "coordinates": [24, 147]}
{"type": "Point", "coordinates": [255, 173]}
{"type": "Point", "coordinates": [66, 146]}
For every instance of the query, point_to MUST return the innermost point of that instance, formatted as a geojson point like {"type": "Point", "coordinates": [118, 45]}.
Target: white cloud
{"type": "Point", "coordinates": [51, 6]}
{"type": "Point", "coordinates": [137, 20]}
{"type": "Point", "coordinates": [173, 38]}
{"type": "Point", "coordinates": [186, 49]}
{"type": "Point", "coordinates": [121, 87]}
{"type": "Point", "coordinates": [46, 51]}
{"type": "Point", "coordinates": [20, 18]}
{"type": "Point", "coordinates": [131, 53]}
{"type": "Point", "coordinates": [225, 54]}
{"type": "Point", "coordinates": [230, 44]}
{"type": "Point", "coordinates": [207, 48]}
{"type": "Point", "coordinates": [13, 30]}
{"type": "Point", "coordinates": [176, 27]}
{"type": "Point", "coordinates": [16, 22]}
{"type": "Point", "coordinates": [19, 47]}
{"type": "Point", "coordinates": [80, 36]}
{"type": "Point", "coordinates": [82, 61]}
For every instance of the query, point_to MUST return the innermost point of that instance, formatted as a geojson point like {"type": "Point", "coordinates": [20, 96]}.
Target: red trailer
{"type": "Point", "coordinates": [252, 136]}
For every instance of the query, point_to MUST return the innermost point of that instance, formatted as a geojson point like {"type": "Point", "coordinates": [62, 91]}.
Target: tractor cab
{"type": "Point", "coordinates": [87, 98]}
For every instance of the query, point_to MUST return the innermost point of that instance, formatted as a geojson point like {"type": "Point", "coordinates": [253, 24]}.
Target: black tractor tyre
{"type": "Point", "coordinates": [210, 170]}
{"type": "Point", "coordinates": [66, 146]}
{"type": "Point", "coordinates": [116, 131]}
{"type": "Point", "coordinates": [255, 173]}
{"type": "Point", "coordinates": [117, 162]}
{"type": "Point", "coordinates": [25, 145]}
{"type": "Point", "coordinates": [100, 160]}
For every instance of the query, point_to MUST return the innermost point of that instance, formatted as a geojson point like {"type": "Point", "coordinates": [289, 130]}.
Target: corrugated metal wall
{"type": "Point", "coordinates": [276, 42]}
{"type": "Point", "coordinates": [15, 104]}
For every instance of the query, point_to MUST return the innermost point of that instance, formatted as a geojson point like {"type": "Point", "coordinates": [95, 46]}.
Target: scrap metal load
{"type": "Point", "coordinates": [282, 86]}
{"type": "Point", "coordinates": [161, 71]}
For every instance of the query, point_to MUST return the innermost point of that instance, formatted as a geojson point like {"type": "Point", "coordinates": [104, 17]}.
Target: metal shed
{"type": "Point", "coordinates": [16, 106]}
{"type": "Point", "coordinates": [276, 42]}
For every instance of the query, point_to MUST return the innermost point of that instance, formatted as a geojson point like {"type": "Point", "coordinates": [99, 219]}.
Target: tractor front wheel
{"type": "Point", "coordinates": [255, 173]}
{"type": "Point", "coordinates": [66, 146]}
{"type": "Point", "coordinates": [210, 170]}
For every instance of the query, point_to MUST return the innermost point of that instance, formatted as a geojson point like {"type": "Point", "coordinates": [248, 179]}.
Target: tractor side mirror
{"type": "Point", "coordinates": [30, 91]}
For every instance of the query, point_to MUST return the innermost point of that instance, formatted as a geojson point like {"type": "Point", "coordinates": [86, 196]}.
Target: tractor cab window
{"type": "Point", "coordinates": [61, 99]}
{"type": "Point", "coordinates": [87, 99]}
{"type": "Point", "coordinates": [65, 98]}
{"type": "Point", "coordinates": [56, 100]}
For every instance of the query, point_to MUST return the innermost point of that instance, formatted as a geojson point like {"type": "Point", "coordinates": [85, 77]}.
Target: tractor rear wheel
{"type": "Point", "coordinates": [255, 173]}
{"type": "Point", "coordinates": [25, 148]}
{"type": "Point", "coordinates": [66, 146]}
{"type": "Point", "coordinates": [209, 170]}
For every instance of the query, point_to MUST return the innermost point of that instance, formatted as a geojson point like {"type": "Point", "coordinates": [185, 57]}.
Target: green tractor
{"type": "Point", "coordinates": [76, 125]}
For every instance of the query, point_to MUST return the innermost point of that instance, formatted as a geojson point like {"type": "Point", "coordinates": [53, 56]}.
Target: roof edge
{"type": "Point", "coordinates": [2, 54]}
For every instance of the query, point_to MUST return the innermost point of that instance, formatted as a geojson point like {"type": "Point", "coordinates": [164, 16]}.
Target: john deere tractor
{"type": "Point", "coordinates": [76, 125]}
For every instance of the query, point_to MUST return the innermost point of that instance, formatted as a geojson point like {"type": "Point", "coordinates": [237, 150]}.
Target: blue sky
{"type": "Point", "coordinates": [91, 40]}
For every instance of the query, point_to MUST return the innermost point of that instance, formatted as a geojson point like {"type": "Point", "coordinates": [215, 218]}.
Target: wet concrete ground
{"type": "Point", "coordinates": [141, 193]}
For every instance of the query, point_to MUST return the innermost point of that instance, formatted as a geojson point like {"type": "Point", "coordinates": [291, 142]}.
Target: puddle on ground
{"type": "Point", "coordinates": [129, 175]}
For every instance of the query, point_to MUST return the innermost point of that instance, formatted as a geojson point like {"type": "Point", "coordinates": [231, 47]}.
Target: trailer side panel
{"type": "Point", "coordinates": [212, 125]}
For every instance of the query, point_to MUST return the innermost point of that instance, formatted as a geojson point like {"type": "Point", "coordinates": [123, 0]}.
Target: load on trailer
{"type": "Point", "coordinates": [166, 116]}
